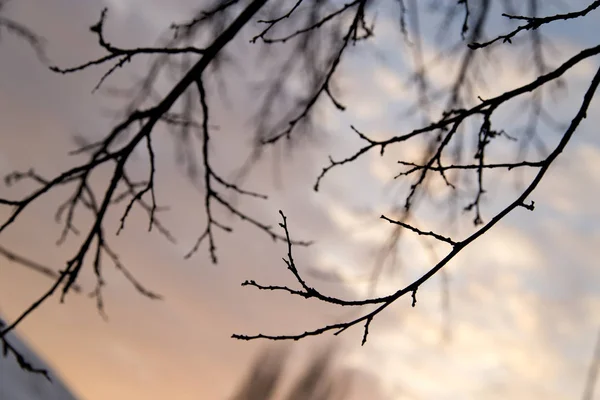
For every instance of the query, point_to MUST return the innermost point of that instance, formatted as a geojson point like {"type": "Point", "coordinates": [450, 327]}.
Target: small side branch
{"type": "Point", "coordinates": [7, 348]}
{"type": "Point", "coordinates": [420, 232]}
{"type": "Point", "coordinates": [533, 23]}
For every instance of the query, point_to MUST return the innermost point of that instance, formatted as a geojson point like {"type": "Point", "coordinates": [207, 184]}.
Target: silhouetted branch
{"type": "Point", "coordinates": [103, 155]}
{"type": "Point", "coordinates": [447, 126]}
{"type": "Point", "coordinates": [420, 232]}
{"type": "Point", "coordinates": [39, 268]}
{"type": "Point", "coordinates": [119, 55]}
{"type": "Point", "coordinates": [384, 302]}
{"type": "Point", "coordinates": [19, 358]}
{"type": "Point", "coordinates": [319, 35]}
{"type": "Point", "coordinates": [15, 28]}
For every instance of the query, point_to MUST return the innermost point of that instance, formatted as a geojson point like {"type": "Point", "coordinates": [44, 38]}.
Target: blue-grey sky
{"type": "Point", "coordinates": [524, 298]}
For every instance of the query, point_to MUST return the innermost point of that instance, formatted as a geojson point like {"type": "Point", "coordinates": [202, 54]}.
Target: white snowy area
{"type": "Point", "coordinates": [16, 384]}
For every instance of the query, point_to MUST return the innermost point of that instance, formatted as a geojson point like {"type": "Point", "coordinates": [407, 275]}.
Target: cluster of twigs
{"type": "Point", "coordinates": [444, 130]}
{"type": "Point", "coordinates": [116, 148]}
{"type": "Point", "coordinates": [320, 34]}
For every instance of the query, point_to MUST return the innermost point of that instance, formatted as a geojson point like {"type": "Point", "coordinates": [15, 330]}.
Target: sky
{"type": "Point", "coordinates": [523, 313]}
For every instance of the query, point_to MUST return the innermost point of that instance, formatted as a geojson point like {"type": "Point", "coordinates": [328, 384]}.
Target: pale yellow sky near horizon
{"type": "Point", "coordinates": [524, 300]}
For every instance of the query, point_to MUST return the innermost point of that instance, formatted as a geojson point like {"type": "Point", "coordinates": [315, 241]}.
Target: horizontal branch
{"type": "Point", "coordinates": [534, 23]}
{"type": "Point", "coordinates": [457, 247]}
{"type": "Point", "coordinates": [457, 116]}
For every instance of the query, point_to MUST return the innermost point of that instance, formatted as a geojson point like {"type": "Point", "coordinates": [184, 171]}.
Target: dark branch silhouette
{"type": "Point", "coordinates": [312, 40]}
{"type": "Point", "coordinates": [25, 365]}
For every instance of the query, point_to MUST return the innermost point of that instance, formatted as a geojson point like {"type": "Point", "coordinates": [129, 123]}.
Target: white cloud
{"type": "Point", "coordinates": [362, 229]}
{"type": "Point", "coordinates": [502, 342]}
{"type": "Point", "coordinates": [390, 82]}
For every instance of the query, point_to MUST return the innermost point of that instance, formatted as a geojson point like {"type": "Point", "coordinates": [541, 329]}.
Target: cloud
{"type": "Point", "coordinates": [508, 333]}
{"type": "Point", "coordinates": [524, 298]}
{"type": "Point", "coordinates": [390, 82]}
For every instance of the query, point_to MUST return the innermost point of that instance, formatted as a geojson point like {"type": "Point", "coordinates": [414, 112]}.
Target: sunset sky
{"type": "Point", "coordinates": [524, 299]}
